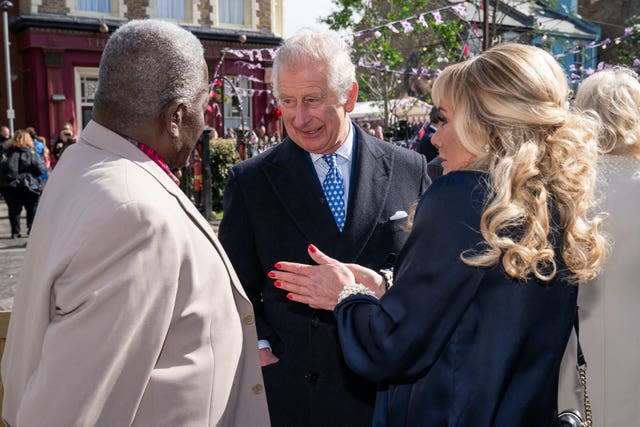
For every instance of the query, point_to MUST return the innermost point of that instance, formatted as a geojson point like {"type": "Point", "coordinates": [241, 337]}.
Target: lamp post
{"type": "Point", "coordinates": [5, 5]}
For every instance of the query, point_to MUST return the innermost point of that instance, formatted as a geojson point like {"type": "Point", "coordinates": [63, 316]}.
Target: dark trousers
{"type": "Point", "coordinates": [16, 199]}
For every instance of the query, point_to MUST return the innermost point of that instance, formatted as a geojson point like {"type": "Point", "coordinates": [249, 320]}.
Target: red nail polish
{"type": "Point", "coordinates": [278, 265]}
{"type": "Point", "coordinates": [272, 274]}
{"type": "Point", "coordinates": [277, 284]}
{"type": "Point", "coordinates": [312, 249]}
{"type": "Point", "coordinates": [290, 296]}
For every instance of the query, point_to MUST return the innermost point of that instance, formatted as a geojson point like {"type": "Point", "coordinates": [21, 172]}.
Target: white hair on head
{"type": "Point", "coordinates": [145, 65]}
{"type": "Point", "coordinates": [325, 50]}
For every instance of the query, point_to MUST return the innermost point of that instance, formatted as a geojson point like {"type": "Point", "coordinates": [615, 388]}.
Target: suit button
{"type": "Point", "coordinates": [391, 258]}
{"type": "Point", "coordinates": [257, 389]}
{"type": "Point", "coordinates": [312, 377]}
{"type": "Point", "coordinates": [315, 321]}
{"type": "Point", "coordinates": [248, 319]}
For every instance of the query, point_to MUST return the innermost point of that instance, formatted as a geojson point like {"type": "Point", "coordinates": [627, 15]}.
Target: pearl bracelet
{"type": "Point", "coordinates": [387, 275]}
{"type": "Point", "coordinates": [354, 289]}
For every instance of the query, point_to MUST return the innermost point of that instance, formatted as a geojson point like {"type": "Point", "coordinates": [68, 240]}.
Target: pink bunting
{"type": "Point", "coordinates": [406, 25]}
{"type": "Point", "coordinates": [392, 28]}
{"type": "Point", "coordinates": [437, 17]}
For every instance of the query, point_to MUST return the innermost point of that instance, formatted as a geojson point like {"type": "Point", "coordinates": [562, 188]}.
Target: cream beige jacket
{"type": "Point", "coordinates": [610, 308]}
{"type": "Point", "coordinates": [128, 312]}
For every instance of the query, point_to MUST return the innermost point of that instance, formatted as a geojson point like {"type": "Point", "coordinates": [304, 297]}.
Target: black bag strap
{"type": "Point", "coordinates": [581, 366]}
{"type": "Point", "coordinates": [576, 325]}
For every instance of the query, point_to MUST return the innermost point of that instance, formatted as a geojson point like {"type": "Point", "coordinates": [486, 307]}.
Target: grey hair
{"type": "Point", "coordinates": [323, 49]}
{"type": "Point", "coordinates": [145, 65]}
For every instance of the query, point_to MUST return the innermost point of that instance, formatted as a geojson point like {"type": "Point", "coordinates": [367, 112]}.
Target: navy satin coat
{"type": "Point", "coordinates": [454, 345]}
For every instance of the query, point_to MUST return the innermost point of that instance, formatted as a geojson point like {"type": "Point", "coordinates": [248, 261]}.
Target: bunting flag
{"type": "Point", "coordinates": [252, 58]}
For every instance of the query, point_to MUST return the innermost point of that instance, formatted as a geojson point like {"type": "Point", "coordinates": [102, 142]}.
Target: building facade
{"type": "Point", "coordinates": [55, 49]}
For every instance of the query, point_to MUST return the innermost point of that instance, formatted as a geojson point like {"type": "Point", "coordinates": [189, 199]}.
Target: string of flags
{"type": "Point", "coordinates": [407, 25]}
{"type": "Point", "coordinates": [251, 59]}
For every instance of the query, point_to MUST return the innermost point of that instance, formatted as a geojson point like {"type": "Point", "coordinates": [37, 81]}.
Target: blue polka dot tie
{"type": "Point", "coordinates": [333, 188]}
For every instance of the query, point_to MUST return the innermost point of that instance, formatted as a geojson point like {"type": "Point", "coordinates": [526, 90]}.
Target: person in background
{"type": "Point", "coordinates": [64, 139]}
{"type": "Point", "coordinates": [5, 136]}
{"type": "Point", "coordinates": [40, 145]}
{"type": "Point", "coordinates": [329, 181]}
{"type": "Point", "coordinates": [423, 139]}
{"type": "Point", "coordinates": [473, 329]}
{"type": "Point", "coordinates": [20, 183]}
{"type": "Point", "coordinates": [609, 316]}
{"type": "Point", "coordinates": [127, 311]}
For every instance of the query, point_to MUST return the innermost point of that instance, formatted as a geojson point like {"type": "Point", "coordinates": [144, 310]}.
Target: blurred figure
{"type": "Point", "coordinates": [423, 139]}
{"type": "Point", "coordinates": [5, 136]}
{"type": "Point", "coordinates": [128, 312]}
{"type": "Point", "coordinates": [609, 315]}
{"type": "Point", "coordinates": [63, 139]}
{"type": "Point", "coordinates": [473, 329]}
{"type": "Point", "coordinates": [20, 182]}
{"type": "Point", "coordinates": [39, 142]}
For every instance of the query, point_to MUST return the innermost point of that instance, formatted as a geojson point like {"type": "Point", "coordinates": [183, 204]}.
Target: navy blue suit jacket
{"type": "Point", "coordinates": [273, 208]}
{"type": "Point", "coordinates": [457, 345]}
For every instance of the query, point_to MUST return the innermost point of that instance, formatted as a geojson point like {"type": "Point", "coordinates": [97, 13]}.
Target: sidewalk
{"type": "Point", "coordinates": [11, 256]}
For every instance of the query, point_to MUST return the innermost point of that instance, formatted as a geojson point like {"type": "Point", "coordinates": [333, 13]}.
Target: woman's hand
{"type": "Point", "coordinates": [319, 285]}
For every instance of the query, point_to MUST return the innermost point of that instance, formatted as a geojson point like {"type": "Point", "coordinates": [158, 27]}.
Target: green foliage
{"type": "Point", "coordinates": [223, 156]}
{"type": "Point", "coordinates": [629, 49]}
{"type": "Point", "coordinates": [423, 48]}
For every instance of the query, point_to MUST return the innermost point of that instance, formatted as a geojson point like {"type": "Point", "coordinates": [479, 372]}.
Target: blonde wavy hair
{"type": "Point", "coordinates": [21, 139]}
{"type": "Point", "coordinates": [511, 110]}
{"type": "Point", "coordinates": [614, 94]}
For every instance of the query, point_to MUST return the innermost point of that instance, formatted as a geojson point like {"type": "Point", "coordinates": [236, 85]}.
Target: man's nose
{"type": "Point", "coordinates": [302, 115]}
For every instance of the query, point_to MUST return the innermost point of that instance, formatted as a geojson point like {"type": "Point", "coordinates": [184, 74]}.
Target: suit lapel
{"type": "Point", "coordinates": [370, 181]}
{"type": "Point", "coordinates": [296, 186]}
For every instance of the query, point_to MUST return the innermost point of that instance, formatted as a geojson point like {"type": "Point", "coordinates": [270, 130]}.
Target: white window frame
{"type": "Point", "coordinates": [79, 74]}
{"type": "Point", "coordinates": [118, 10]}
{"type": "Point", "coordinates": [191, 14]}
{"type": "Point", "coordinates": [233, 120]}
{"type": "Point", "coordinates": [250, 15]}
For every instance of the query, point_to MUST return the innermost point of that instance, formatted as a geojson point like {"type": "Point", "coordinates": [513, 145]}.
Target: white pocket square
{"type": "Point", "coordinates": [398, 215]}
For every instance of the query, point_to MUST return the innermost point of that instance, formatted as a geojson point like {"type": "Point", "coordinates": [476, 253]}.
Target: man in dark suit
{"type": "Point", "coordinates": [330, 184]}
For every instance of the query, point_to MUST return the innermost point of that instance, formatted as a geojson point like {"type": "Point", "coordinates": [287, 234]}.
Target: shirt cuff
{"type": "Point", "coordinates": [264, 344]}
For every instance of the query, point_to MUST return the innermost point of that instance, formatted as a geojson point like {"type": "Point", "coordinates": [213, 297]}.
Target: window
{"type": "Point", "coordinates": [171, 9]}
{"type": "Point", "coordinates": [236, 110]}
{"type": "Point", "coordinates": [103, 6]}
{"type": "Point", "coordinates": [86, 85]}
{"type": "Point", "coordinates": [231, 11]}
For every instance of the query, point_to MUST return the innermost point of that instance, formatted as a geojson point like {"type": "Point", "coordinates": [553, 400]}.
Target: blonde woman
{"type": "Point", "coordinates": [609, 319]}
{"type": "Point", "coordinates": [20, 182]}
{"type": "Point", "coordinates": [473, 331]}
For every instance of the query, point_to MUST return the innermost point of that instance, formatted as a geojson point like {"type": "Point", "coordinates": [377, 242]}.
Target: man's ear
{"type": "Point", "coordinates": [173, 117]}
{"type": "Point", "coordinates": [352, 97]}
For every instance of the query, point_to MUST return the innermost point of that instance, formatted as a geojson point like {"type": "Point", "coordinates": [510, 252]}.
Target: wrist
{"type": "Point", "coordinates": [354, 289]}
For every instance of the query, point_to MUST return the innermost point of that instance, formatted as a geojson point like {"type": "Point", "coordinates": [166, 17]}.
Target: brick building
{"type": "Point", "coordinates": [55, 48]}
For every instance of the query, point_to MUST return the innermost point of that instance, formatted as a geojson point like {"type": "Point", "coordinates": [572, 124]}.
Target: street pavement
{"type": "Point", "coordinates": [12, 254]}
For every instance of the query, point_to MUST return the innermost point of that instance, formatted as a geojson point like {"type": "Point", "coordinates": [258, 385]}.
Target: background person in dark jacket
{"type": "Point", "coordinates": [20, 182]}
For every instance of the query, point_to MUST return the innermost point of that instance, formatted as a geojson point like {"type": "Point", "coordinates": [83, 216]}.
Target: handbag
{"type": "Point", "coordinates": [573, 417]}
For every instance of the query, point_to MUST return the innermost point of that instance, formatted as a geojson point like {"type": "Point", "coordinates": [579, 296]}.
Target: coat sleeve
{"type": "Point", "coordinates": [110, 312]}
{"type": "Point", "coordinates": [237, 237]}
{"type": "Point", "coordinates": [399, 337]}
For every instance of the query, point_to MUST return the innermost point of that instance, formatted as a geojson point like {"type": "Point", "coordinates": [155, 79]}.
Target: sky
{"type": "Point", "coordinates": [304, 13]}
